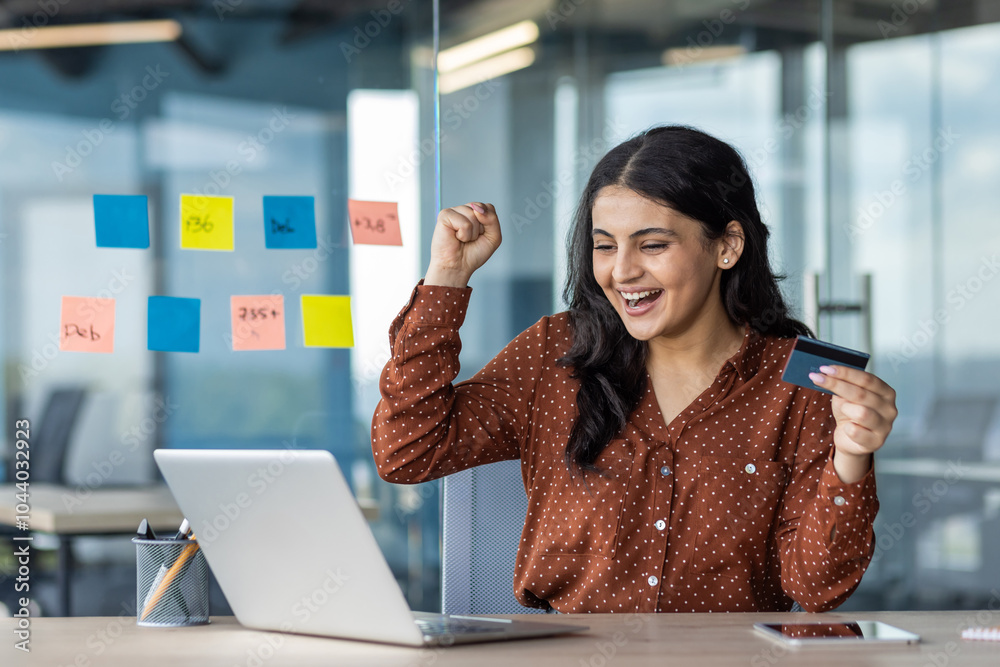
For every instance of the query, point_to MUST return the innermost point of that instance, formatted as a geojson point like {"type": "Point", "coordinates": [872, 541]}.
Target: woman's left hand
{"type": "Point", "coordinates": [865, 408]}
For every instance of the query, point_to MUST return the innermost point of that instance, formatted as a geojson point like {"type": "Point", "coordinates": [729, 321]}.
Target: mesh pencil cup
{"type": "Point", "coordinates": [171, 583]}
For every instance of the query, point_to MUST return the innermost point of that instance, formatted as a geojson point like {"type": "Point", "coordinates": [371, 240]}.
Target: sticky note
{"type": "Point", "coordinates": [174, 324]}
{"type": "Point", "coordinates": [258, 322]}
{"type": "Point", "coordinates": [374, 222]}
{"type": "Point", "coordinates": [87, 325]}
{"type": "Point", "coordinates": [326, 321]}
{"type": "Point", "coordinates": [289, 222]}
{"type": "Point", "coordinates": [121, 221]}
{"type": "Point", "coordinates": [206, 222]}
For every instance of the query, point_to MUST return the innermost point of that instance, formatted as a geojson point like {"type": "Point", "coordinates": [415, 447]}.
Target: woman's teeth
{"type": "Point", "coordinates": [634, 297]}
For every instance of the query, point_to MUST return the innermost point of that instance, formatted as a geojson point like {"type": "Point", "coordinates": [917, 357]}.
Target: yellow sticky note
{"type": "Point", "coordinates": [206, 222]}
{"type": "Point", "coordinates": [326, 321]}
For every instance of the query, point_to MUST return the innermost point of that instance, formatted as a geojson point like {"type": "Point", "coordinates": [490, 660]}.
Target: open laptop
{"type": "Point", "coordinates": [293, 552]}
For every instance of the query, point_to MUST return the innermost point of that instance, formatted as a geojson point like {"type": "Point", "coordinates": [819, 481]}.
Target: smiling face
{"type": "Point", "coordinates": [656, 266]}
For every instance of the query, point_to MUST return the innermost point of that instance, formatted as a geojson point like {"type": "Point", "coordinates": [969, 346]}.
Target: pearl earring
{"type": "Point", "coordinates": [725, 261]}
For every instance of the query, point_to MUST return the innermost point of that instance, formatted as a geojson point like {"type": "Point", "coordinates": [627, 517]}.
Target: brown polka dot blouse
{"type": "Point", "coordinates": [732, 506]}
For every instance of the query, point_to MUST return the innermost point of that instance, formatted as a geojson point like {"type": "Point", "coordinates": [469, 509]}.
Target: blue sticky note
{"type": "Point", "coordinates": [174, 324]}
{"type": "Point", "coordinates": [289, 222]}
{"type": "Point", "coordinates": [121, 221]}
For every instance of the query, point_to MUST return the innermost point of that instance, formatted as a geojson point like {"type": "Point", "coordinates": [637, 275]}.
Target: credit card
{"type": "Point", "coordinates": [809, 354]}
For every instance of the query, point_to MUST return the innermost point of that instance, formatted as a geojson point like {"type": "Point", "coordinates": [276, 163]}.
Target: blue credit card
{"type": "Point", "coordinates": [809, 354]}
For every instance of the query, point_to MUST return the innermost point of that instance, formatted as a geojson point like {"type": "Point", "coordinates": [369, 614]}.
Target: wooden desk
{"type": "Point", "coordinates": [68, 512]}
{"type": "Point", "coordinates": [702, 640]}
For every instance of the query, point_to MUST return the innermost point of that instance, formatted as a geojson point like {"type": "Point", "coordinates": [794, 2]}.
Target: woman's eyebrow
{"type": "Point", "coordinates": [641, 232]}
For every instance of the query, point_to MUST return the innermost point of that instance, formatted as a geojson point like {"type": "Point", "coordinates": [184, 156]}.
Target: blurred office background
{"type": "Point", "coordinates": [869, 126]}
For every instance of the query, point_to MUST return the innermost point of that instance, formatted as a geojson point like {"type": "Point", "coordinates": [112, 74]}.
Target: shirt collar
{"type": "Point", "coordinates": [746, 361]}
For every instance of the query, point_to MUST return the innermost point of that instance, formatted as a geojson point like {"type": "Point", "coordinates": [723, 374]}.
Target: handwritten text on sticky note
{"type": "Point", "coordinates": [87, 325]}
{"type": "Point", "coordinates": [326, 321]}
{"type": "Point", "coordinates": [206, 222]}
{"type": "Point", "coordinates": [289, 222]}
{"type": "Point", "coordinates": [374, 222]}
{"type": "Point", "coordinates": [258, 322]}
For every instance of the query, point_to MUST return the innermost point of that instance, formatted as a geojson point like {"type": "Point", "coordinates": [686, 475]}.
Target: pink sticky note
{"type": "Point", "coordinates": [374, 222]}
{"type": "Point", "coordinates": [258, 322]}
{"type": "Point", "coordinates": [87, 325]}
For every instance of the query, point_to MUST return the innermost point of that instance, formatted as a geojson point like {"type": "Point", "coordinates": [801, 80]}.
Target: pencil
{"type": "Point", "coordinates": [171, 574]}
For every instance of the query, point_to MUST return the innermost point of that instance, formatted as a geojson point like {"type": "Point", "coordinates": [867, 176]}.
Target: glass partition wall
{"type": "Point", "coordinates": [866, 126]}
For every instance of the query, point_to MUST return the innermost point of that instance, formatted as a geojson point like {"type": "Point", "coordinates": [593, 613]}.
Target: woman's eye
{"type": "Point", "coordinates": [604, 247]}
{"type": "Point", "coordinates": [654, 246]}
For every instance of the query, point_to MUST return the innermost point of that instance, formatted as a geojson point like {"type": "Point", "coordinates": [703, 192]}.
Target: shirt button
{"type": "Point", "coordinates": [839, 500]}
{"type": "Point", "coordinates": [661, 524]}
{"type": "Point", "coordinates": [751, 468]}
{"type": "Point", "coordinates": [664, 471]}
{"type": "Point", "coordinates": [653, 581]}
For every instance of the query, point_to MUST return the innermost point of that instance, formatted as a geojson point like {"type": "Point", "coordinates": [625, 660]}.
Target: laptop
{"type": "Point", "coordinates": [293, 552]}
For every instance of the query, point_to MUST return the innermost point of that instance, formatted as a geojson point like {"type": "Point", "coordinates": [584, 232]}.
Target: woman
{"type": "Point", "coordinates": [667, 466]}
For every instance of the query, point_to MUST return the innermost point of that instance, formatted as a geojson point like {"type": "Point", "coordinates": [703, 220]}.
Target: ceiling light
{"type": "Point", "coordinates": [701, 54]}
{"type": "Point", "coordinates": [456, 57]}
{"type": "Point", "coordinates": [505, 63]}
{"type": "Point", "coordinates": [91, 34]}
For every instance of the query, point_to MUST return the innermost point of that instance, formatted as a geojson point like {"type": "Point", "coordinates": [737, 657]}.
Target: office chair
{"type": "Point", "coordinates": [484, 510]}
{"type": "Point", "coordinates": [50, 435]}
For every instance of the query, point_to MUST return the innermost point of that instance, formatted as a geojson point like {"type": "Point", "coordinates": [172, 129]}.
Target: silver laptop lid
{"type": "Point", "coordinates": [288, 543]}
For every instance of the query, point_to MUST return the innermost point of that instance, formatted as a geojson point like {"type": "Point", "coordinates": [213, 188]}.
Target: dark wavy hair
{"type": "Point", "coordinates": [704, 179]}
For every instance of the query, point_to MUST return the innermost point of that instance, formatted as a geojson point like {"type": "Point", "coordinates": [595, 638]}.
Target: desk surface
{"type": "Point", "coordinates": [705, 640]}
{"type": "Point", "coordinates": [80, 511]}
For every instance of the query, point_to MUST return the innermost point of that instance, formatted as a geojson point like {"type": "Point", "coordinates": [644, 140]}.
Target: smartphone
{"type": "Point", "coordinates": [852, 632]}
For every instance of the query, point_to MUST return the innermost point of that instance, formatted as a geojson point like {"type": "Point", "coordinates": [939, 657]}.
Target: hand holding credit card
{"type": "Point", "coordinates": [809, 354]}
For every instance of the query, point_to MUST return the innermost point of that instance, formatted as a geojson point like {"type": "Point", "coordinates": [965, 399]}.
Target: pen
{"type": "Point", "coordinates": [183, 531]}
{"type": "Point", "coordinates": [145, 532]}
{"type": "Point", "coordinates": [171, 574]}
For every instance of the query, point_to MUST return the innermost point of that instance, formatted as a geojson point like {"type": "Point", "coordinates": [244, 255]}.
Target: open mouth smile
{"type": "Point", "coordinates": [639, 302]}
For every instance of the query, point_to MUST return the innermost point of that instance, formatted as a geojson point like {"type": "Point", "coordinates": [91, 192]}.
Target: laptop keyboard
{"type": "Point", "coordinates": [444, 625]}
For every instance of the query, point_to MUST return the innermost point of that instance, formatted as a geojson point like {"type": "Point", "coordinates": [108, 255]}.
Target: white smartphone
{"type": "Point", "coordinates": [851, 632]}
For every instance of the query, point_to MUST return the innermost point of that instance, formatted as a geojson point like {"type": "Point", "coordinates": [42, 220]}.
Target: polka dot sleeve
{"type": "Point", "coordinates": [425, 426]}
{"type": "Point", "coordinates": [826, 534]}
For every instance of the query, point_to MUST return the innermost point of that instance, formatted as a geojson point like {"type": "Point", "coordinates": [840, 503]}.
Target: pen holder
{"type": "Point", "coordinates": [171, 583]}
